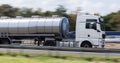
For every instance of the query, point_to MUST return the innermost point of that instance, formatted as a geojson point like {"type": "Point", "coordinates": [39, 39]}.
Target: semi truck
{"type": "Point", "coordinates": [54, 31]}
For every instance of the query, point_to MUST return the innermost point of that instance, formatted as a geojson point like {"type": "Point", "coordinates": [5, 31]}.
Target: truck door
{"type": "Point", "coordinates": [91, 29]}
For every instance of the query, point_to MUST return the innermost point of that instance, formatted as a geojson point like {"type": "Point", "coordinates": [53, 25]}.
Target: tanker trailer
{"type": "Point", "coordinates": [47, 29]}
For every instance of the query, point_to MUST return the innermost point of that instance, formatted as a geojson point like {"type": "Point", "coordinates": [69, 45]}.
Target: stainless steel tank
{"type": "Point", "coordinates": [34, 25]}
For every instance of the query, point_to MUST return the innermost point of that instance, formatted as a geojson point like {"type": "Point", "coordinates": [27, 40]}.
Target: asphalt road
{"type": "Point", "coordinates": [7, 50]}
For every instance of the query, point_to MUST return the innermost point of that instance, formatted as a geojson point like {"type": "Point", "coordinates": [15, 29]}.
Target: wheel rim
{"type": "Point", "coordinates": [86, 46]}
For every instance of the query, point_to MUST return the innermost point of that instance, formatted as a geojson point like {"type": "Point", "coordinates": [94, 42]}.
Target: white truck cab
{"type": "Point", "coordinates": [89, 31]}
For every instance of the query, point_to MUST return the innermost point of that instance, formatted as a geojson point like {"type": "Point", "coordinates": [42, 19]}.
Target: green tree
{"type": "Point", "coordinates": [48, 13]}
{"type": "Point", "coordinates": [7, 10]}
{"type": "Point", "coordinates": [112, 21]}
{"type": "Point", "coordinates": [26, 12]}
{"type": "Point", "coordinates": [38, 12]}
{"type": "Point", "coordinates": [72, 19]}
{"type": "Point", "coordinates": [61, 11]}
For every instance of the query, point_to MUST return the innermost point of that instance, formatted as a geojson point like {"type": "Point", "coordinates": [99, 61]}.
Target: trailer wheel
{"type": "Point", "coordinates": [86, 44]}
{"type": "Point", "coordinates": [49, 43]}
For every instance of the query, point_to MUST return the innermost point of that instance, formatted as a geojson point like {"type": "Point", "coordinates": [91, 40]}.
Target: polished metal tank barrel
{"type": "Point", "coordinates": [52, 25]}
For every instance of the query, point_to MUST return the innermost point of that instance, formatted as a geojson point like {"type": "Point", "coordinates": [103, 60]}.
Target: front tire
{"type": "Point", "coordinates": [86, 45]}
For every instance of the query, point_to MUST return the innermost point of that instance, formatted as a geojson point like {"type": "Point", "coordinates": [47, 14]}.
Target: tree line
{"type": "Point", "coordinates": [112, 20]}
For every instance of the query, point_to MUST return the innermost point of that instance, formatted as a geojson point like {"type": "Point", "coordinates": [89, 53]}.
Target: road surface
{"type": "Point", "coordinates": [7, 50]}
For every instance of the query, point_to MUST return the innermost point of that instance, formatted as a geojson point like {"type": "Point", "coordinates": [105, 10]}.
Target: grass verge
{"type": "Point", "coordinates": [48, 58]}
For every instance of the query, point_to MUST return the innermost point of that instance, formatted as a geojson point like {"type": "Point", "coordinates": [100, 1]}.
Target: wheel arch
{"type": "Point", "coordinates": [86, 41]}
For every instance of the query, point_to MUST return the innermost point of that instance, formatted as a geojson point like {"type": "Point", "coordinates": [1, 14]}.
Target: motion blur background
{"type": "Point", "coordinates": [109, 9]}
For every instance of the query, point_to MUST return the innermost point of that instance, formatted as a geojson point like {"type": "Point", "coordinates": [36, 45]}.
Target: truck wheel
{"type": "Point", "coordinates": [86, 45]}
{"type": "Point", "coordinates": [49, 43]}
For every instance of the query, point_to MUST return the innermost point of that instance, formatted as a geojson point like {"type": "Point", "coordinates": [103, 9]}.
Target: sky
{"type": "Point", "coordinates": [103, 7]}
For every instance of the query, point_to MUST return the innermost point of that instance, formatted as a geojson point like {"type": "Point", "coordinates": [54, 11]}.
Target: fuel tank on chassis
{"type": "Point", "coordinates": [56, 25]}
